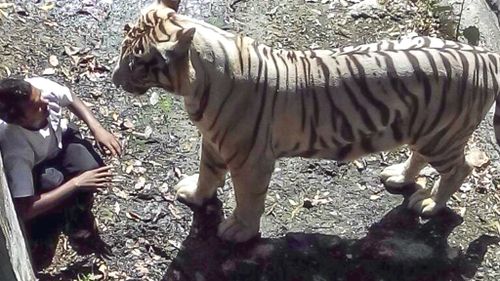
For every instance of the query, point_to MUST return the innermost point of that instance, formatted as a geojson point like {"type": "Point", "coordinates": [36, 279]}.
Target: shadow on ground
{"type": "Point", "coordinates": [399, 247]}
{"type": "Point", "coordinates": [76, 271]}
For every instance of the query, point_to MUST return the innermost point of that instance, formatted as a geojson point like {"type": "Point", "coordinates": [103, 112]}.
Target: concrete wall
{"type": "Point", "coordinates": [480, 14]}
{"type": "Point", "coordinates": [15, 264]}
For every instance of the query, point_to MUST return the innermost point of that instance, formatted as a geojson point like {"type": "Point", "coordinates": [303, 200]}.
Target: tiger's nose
{"type": "Point", "coordinates": [115, 77]}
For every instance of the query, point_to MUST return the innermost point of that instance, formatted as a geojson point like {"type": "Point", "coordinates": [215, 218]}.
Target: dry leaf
{"type": "Point", "coordinates": [177, 172]}
{"type": "Point", "coordinates": [104, 270]}
{"type": "Point", "coordinates": [169, 197]}
{"type": "Point", "coordinates": [49, 71]}
{"type": "Point", "coordinates": [53, 61]}
{"type": "Point", "coordinates": [175, 244]}
{"type": "Point", "coordinates": [48, 6]}
{"type": "Point", "coordinates": [3, 14]}
{"type": "Point", "coordinates": [309, 203]}
{"type": "Point", "coordinates": [462, 211]}
{"type": "Point", "coordinates": [140, 183]}
{"type": "Point", "coordinates": [127, 125]}
{"type": "Point", "coordinates": [121, 194]}
{"type": "Point", "coordinates": [428, 172]}
{"type": "Point", "coordinates": [50, 23]}
{"type": "Point", "coordinates": [66, 73]}
{"type": "Point", "coordinates": [174, 211]}
{"type": "Point", "coordinates": [142, 269]}
{"type": "Point", "coordinates": [140, 170]}
{"type": "Point", "coordinates": [147, 132]}
{"type": "Point", "coordinates": [115, 275]}
{"type": "Point", "coordinates": [154, 99]}
{"type": "Point", "coordinates": [477, 158]}
{"type": "Point", "coordinates": [71, 51]}
{"type": "Point", "coordinates": [422, 181]}
{"type": "Point", "coordinates": [164, 188]}
{"type": "Point", "coordinates": [7, 70]}
{"type": "Point", "coordinates": [87, 104]}
{"type": "Point", "coordinates": [466, 187]}
{"type": "Point", "coordinates": [133, 216]}
{"type": "Point", "coordinates": [96, 94]}
{"type": "Point", "coordinates": [117, 208]}
{"type": "Point", "coordinates": [4, 6]}
{"type": "Point", "coordinates": [129, 169]}
{"type": "Point", "coordinates": [95, 277]}
{"type": "Point", "coordinates": [295, 211]}
{"type": "Point", "coordinates": [360, 165]}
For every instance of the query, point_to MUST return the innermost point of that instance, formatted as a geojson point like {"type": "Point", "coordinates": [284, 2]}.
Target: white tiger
{"type": "Point", "coordinates": [254, 104]}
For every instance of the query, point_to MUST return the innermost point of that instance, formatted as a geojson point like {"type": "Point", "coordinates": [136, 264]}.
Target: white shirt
{"type": "Point", "coordinates": [22, 149]}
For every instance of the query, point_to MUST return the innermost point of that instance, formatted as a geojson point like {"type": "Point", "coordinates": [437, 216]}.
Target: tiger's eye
{"type": "Point", "coordinates": [127, 28]}
{"type": "Point", "coordinates": [131, 63]}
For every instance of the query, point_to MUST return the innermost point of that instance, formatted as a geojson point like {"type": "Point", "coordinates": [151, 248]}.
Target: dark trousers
{"type": "Point", "coordinates": [73, 217]}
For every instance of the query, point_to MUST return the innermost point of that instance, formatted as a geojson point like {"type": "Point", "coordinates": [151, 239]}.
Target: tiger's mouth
{"type": "Point", "coordinates": [134, 90]}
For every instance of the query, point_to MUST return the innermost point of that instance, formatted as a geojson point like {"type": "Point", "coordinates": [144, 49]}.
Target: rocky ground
{"type": "Point", "coordinates": [324, 220]}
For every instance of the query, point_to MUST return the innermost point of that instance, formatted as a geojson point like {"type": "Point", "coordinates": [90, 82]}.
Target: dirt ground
{"type": "Point", "coordinates": [324, 220]}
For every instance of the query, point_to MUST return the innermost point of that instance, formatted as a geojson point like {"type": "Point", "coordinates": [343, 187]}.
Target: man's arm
{"type": "Point", "coordinates": [33, 206]}
{"type": "Point", "coordinates": [102, 136]}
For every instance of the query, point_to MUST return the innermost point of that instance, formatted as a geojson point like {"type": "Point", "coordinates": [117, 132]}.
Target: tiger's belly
{"type": "Point", "coordinates": [327, 144]}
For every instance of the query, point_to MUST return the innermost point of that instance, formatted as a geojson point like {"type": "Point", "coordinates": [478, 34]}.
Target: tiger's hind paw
{"type": "Point", "coordinates": [423, 203]}
{"type": "Point", "coordinates": [235, 230]}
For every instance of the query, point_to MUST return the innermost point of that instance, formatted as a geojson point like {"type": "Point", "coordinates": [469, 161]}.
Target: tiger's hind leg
{"type": "Point", "coordinates": [453, 171]}
{"type": "Point", "coordinates": [402, 174]}
{"type": "Point", "coordinates": [250, 189]}
{"type": "Point", "coordinates": [197, 189]}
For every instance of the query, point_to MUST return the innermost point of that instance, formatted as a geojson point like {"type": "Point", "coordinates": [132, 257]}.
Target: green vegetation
{"type": "Point", "coordinates": [438, 18]}
{"type": "Point", "coordinates": [166, 103]}
{"type": "Point", "coordinates": [216, 21]}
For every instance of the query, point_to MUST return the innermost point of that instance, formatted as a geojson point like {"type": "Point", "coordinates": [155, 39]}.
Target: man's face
{"type": "Point", "coordinates": [35, 111]}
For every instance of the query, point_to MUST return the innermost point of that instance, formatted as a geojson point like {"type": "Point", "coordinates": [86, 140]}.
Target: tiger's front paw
{"type": "Point", "coordinates": [394, 176]}
{"type": "Point", "coordinates": [186, 191]}
{"type": "Point", "coordinates": [423, 203]}
{"type": "Point", "coordinates": [235, 229]}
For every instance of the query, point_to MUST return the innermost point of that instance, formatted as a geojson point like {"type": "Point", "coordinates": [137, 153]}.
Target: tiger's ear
{"type": "Point", "coordinates": [172, 4]}
{"type": "Point", "coordinates": [185, 36]}
{"type": "Point", "coordinates": [172, 51]}
{"type": "Point", "coordinates": [184, 39]}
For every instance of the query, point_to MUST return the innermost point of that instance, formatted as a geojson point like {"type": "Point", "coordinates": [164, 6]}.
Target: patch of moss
{"type": "Point", "coordinates": [166, 104]}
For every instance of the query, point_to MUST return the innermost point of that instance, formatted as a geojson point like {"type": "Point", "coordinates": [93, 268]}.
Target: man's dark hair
{"type": "Point", "coordinates": [13, 94]}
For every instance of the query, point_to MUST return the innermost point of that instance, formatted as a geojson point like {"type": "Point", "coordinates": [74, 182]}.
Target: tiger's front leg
{"type": "Point", "coordinates": [250, 188]}
{"type": "Point", "coordinates": [197, 189]}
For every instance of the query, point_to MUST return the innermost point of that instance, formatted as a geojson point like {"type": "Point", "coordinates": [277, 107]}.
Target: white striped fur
{"type": "Point", "coordinates": [254, 104]}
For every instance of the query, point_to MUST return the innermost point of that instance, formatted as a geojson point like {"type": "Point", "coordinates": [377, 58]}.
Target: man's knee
{"type": "Point", "coordinates": [50, 178]}
{"type": "Point", "coordinates": [79, 158]}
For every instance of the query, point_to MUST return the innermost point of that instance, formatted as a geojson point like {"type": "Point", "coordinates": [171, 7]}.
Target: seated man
{"type": "Point", "coordinates": [51, 171]}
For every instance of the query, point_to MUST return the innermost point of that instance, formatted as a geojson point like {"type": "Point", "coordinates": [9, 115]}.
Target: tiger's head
{"type": "Point", "coordinates": [154, 50]}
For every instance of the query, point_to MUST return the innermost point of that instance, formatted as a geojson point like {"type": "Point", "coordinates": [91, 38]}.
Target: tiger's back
{"type": "Point", "coordinates": [375, 97]}
{"type": "Point", "coordinates": [344, 103]}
